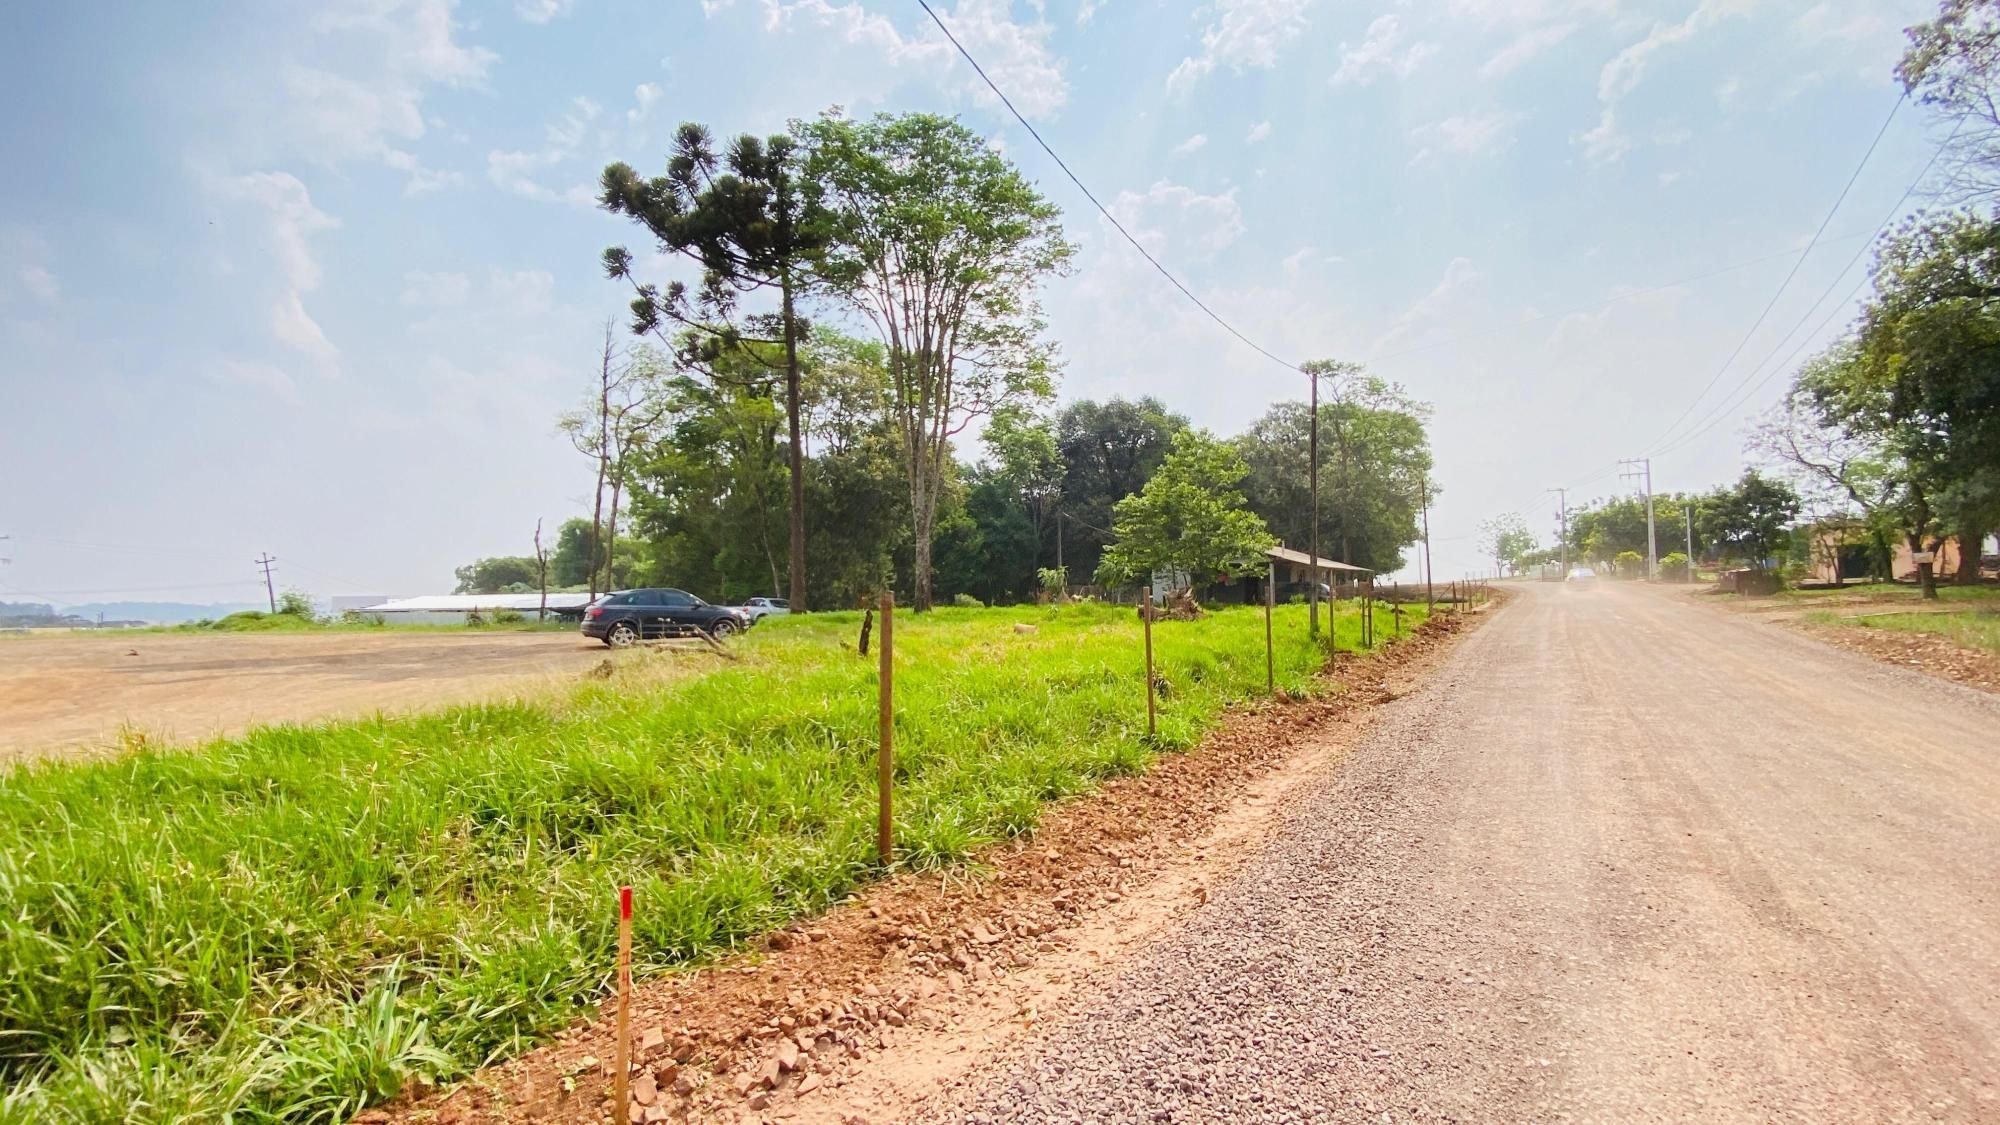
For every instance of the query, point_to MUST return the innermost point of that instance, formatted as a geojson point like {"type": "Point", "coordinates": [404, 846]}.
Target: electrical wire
{"type": "Point", "coordinates": [1101, 208]}
{"type": "Point", "coordinates": [1792, 273]}
{"type": "Point", "coordinates": [1745, 390]}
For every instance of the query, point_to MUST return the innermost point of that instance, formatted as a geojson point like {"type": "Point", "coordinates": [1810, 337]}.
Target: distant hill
{"type": "Point", "coordinates": [158, 613]}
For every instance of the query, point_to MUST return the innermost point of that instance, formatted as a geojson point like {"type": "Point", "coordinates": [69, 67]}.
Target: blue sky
{"type": "Point", "coordinates": [316, 279]}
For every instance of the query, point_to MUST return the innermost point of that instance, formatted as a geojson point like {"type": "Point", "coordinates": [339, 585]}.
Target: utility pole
{"type": "Point", "coordinates": [1689, 510]}
{"type": "Point", "coordinates": [265, 560]}
{"type": "Point", "coordinates": [1430, 600]}
{"type": "Point", "coordinates": [1645, 473]}
{"type": "Point", "coordinates": [1562, 515]}
{"type": "Point", "coordinates": [1312, 594]}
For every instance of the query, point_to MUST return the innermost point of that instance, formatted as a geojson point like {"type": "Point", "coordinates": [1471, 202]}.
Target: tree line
{"type": "Point", "coordinates": [800, 420]}
{"type": "Point", "coordinates": [1893, 432]}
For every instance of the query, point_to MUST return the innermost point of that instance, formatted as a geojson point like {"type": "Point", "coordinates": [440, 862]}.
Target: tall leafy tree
{"type": "Point", "coordinates": [1108, 451]}
{"type": "Point", "coordinates": [1953, 65]}
{"type": "Point", "coordinates": [1930, 340]}
{"type": "Point", "coordinates": [940, 244]}
{"type": "Point", "coordinates": [1375, 463]}
{"type": "Point", "coordinates": [744, 216]}
{"type": "Point", "coordinates": [1508, 541]}
{"type": "Point", "coordinates": [1188, 519]}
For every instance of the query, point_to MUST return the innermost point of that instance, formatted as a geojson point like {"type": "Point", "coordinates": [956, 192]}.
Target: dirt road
{"type": "Point", "coordinates": [73, 694]}
{"type": "Point", "coordinates": [1624, 859]}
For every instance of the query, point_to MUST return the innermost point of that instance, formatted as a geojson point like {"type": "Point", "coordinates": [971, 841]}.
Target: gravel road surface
{"type": "Point", "coordinates": [1623, 859]}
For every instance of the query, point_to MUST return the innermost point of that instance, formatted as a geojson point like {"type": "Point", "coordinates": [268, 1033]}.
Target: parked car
{"type": "Point", "coordinates": [1582, 576]}
{"type": "Point", "coordinates": [760, 608]}
{"type": "Point", "coordinates": [629, 616]}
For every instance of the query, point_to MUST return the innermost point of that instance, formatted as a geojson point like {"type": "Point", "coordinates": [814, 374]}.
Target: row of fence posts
{"type": "Point", "coordinates": [880, 618]}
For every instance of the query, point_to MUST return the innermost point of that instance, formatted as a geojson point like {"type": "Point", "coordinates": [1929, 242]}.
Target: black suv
{"type": "Point", "coordinates": [629, 616]}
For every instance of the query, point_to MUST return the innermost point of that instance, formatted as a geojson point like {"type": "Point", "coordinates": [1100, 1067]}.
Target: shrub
{"type": "Point", "coordinates": [967, 601]}
{"type": "Point", "coordinates": [508, 617]}
{"type": "Point", "coordinates": [1674, 568]}
{"type": "Point", "coordinates": [1629, 564]}
{"type": "Point", "coordinates": [296, 603]}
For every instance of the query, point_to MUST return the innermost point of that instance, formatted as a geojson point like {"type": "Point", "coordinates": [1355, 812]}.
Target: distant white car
{"type": "Point", "coordinates": [1582, 576]}
{"type": "Point", "coordinates": [760, 608]}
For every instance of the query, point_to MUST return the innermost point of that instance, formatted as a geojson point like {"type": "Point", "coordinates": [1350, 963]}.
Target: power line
{"type": "Point", "coordinates": [1803, 255]}
{"type": "Point", "coordinates": [1746, 389]}
{"type": "Point", "coordinates": [1101, 208]}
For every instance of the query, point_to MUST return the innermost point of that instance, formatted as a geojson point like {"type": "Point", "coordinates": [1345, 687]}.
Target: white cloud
{"type": "Point", "coordinates": [435, 289]}
{"type": "Point", "coordinates": [1245, 34]}
{"type": "Point", "coordinates": [292, 221]}
{"type": "Point", "coordinates": [1015, 55]}
{"type": "Point", "coordinates": [1435, 307]}
{"type": "Point", "coordinates": [1726, 91]}
{"type": "Point", "coordinates": [1086, 11]}
{"type": "Point", "coordinates": [1192, 145]}
{"type": "Point", "coordinates": [1524, 47]}
{"type": "Point", "coordinates": [1380, 54]}
{"type": "Point", "coordinates": [542, 11]}
{"type": "Point", "coordinates": [249, 373]}
{"type": "Point", "coordinates": [1203, 224]}
{"type": "Point", "coordinates": [292, 325]}
{"type": "Point", "coordinates": [1472, 134]}
{"type": "Point", "coordinates": [40, 282]}
{"type": "Point", "coordinates": [1296, 260]}
{"type": "Point", "coordinates": [372, 107]}
{"type": "Point", "coordinates": [644, 95]}
{"type": "Point", "coordinates": [1605, 143]}
{"type": "Point", "coordinates": [1259, 133]}
{"type": "Point", "coordinates": [521, 291]}
{"type": "Point", "coordinates": [512, 172]}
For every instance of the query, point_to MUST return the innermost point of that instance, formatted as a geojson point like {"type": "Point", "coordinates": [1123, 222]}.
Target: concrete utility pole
{"type": "Point", "coordinates": [1645, 473]}
{"type": "Point", "coordinates": [1689, 510]}
{"type": "Point", "coordinates": [265, 560]}
{"type": "Point", "coordinates": [1429, 599]}
{"type": "Point", "coordinates": [1562, 514]}
{"type": "Point", "coordinates": [1312, 568]}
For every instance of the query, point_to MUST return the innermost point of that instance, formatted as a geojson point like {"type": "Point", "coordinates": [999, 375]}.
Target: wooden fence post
{"type": "Point", "coordinates": [885, 843]}
{"type": "Point", "coordinates": [1146, 617]}
{"type": "Point", "coordinates": [621, 1055]}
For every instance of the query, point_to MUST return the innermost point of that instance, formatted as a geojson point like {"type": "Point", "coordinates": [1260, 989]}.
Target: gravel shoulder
{"type": "Point", "coordinates": [1621, 859]}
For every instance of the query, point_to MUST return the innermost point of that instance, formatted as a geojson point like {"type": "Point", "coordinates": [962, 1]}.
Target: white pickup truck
{"type": "Point", "coordinates": [760, 608]}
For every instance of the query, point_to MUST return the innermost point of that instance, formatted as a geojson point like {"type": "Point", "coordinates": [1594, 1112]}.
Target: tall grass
{"type": "Point", "coordinates": [289, 925]}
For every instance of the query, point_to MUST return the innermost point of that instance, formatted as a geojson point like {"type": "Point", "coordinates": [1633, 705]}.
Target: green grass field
{"type": "Point", "coordinates": [289, 925]}
{"type": "Point", "coordinates": [1892, 590]}
{"type": "Point", "coordinates": [1972, 628]}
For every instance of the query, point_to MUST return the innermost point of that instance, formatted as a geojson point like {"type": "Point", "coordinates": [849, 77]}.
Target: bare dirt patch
{"type": "Point", "coordinates": [82, 694]}
{"type": "Point", "coordinates": [1925, 652]}
{"type": "Point", "coordinates": [862, 1013]}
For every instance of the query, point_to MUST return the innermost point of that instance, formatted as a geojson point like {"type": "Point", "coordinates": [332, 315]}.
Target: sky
{"type": "Point", "coordinates": [316, 280]}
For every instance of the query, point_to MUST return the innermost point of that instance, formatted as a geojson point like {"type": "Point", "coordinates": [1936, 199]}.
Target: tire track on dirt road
{"type": "Point", "coordinates": [1622, 859]}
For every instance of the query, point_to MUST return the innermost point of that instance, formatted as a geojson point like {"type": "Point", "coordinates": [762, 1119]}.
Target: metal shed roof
{"type": "Point", "coordinates": [1286, 554]}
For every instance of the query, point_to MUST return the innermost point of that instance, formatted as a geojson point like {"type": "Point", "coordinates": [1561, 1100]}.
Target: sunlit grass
{"type": "Point", "coordinates": [1972, 628]}
{"type": "Point", "coordinates": [289, 925]}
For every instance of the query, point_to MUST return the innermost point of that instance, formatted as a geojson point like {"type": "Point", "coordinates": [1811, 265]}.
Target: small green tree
{"type": "Point", "coordinates": [1508, 540]}
{"type": "Point", "coordinates": [297, 603]}
{"type": "Point", "coordinates": [1674, 568]}
{"type": "Point", "coordinates": [1189, 518]}
{"type": "Point", "coordinates": [1629, 564]}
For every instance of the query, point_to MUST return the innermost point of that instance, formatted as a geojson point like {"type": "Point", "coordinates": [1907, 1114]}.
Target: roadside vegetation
{"type": "Point", "coordinates": [1969, 628]}
{"type": "Point", "coordinates": [291, 925]}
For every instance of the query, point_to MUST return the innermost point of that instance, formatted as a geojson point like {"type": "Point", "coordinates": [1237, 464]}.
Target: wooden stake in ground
{"type": "Point", "coordinates": [1270, 598]}
{"type": "Point", "coordinates": [885, 844]}
{"type": "Point", "coordinates": [1146, 618]}
{"type": "Point", "coordinates": [621, 1066]}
